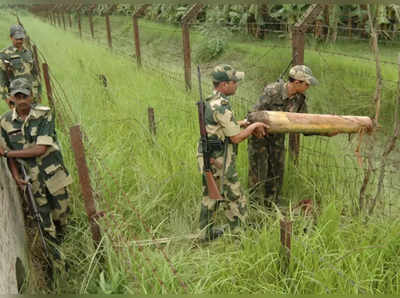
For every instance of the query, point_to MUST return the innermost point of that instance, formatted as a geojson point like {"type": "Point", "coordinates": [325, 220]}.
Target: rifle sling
{"type": "Point", "coordinates": [224, 165]}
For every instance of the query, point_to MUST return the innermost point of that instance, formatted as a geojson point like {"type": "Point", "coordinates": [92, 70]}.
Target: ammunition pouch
{"type": "Point", "coordinates": [215, 144]}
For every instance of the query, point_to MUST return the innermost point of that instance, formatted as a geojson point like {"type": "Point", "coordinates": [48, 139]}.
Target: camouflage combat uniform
{"type": "Point", "coordinates": [267, 155]}
{"type": "Point", "coordinates": [220, 125]}
{"type": "Point", "coordinates": [18, 64]}
{"type": "Point", "coordinates": [49, 175]}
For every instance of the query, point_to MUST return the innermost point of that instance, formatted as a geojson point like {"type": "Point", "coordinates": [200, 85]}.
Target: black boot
{"type": "Point", "coordinates": [216, 233]}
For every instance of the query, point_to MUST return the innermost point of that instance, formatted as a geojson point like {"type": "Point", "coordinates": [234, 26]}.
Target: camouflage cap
{"type": "Point", "coordinates": [226, 73]}
{"type": "Point", "coordinates": [17, 31]}
{"type": "Point", "coordinates": [20, 85]}
{"type": "Point", "coordinates": [302, 73]}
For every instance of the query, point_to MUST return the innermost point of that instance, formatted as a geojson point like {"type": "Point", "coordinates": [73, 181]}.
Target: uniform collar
{"type": "Point", "coordinates": [14, 49]}
{"type": "Point", "coordinates": [32, 114]}
{"type": "Point", "coordinates": [219, 94]}
{"type": "Point", "coordinates": [14, 114]}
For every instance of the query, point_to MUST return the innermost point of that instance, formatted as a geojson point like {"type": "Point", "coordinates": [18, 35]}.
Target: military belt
{"type": "Point", "coordinates": [215, 144]}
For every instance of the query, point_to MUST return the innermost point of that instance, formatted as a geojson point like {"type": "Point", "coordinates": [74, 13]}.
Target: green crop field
{"type": "Point", "coordinates": [149, 186]}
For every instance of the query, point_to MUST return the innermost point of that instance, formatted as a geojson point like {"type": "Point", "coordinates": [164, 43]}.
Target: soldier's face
{"type": "Point", "coordinates": [230, 87]}
{"type": "Point", "coordinates": [18, 43]}
{"type": "Point", "coordinates": [22, 101]}
{"type": "Point", "coordinates": [301, 86]}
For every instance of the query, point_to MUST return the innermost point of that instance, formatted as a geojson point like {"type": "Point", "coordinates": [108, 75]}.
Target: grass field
{"type": "Point", "coordinates": [134, 173]}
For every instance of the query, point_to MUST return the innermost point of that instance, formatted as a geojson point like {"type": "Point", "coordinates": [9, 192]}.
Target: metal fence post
{"type": "Point", "coordinates": [58, 19]}
{"type": "Point", "coordinates": [152, 123]}
{"type": "Point", "coordinates": [90, 15]}
{"type": "Point", "coordinates": [298, 42]}
{"type": "Point", "coordinates": [108, 25]}
{"type": "Point", "coordinates": [84, 180]}
{"type": "Point", "coordinates": [70, 20]}
{"type": "Point", "coordinates": [36, 59]}
{"type": "Point", "coordinates": [79, 25]}
{"type": "Point", "coordinates": [91, 25]}
{"type": "Point", "coordinates": [63, 20]}
{"type": "Point", "coordinates": [49, 90]}
{"type": "Point", "coordinates": [135, 17]}
{"type": "Point", "coordinates": [189, 15]}
{"type": "Point", "coordinates": [286, 242]}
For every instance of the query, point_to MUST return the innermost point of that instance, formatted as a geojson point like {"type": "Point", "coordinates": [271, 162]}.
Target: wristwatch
{"type": "Point", "coordinates": [5, 153]}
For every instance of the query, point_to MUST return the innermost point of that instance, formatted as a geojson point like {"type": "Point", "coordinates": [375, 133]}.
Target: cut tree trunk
{"type": "Point", "coordinates": [283, 122]}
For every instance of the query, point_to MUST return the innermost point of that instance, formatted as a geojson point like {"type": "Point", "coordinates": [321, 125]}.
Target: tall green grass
{"type": "Point", "coordinates": [156, 176]}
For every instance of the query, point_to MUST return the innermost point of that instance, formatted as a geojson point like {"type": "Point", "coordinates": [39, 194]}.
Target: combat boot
{"type": "Point", "coordinates": [216, 233]}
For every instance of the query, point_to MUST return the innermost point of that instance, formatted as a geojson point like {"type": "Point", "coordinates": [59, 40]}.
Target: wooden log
{"type": "Point", "coordinates": [283, 122]}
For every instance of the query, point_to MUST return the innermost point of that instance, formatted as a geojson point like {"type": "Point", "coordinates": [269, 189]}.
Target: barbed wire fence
{"type": "Point", "coordinates": [343, 170]}
{"type": "Point", "coordinates": [161, 63]}
{"type": "Point", "coordinates": [145, 267]}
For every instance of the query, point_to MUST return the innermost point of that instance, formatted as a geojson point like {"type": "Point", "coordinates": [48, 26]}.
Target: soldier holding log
{"type": "Point", "coordinates": [223, 134]}
{"type": "Point", "coordinates": [267, 155]}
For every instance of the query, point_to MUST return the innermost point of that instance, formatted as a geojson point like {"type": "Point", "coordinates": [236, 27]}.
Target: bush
{"type": "Point", "coordinates": [213, 44]}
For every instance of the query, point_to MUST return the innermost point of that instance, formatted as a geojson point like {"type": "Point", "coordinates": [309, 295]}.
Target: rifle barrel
{"type": "Point", "coordinates": [35, 210]}
{"type": "Point", "coordinates": [213, 191]}
{"type": "Point", "coordinates": [199, 77]}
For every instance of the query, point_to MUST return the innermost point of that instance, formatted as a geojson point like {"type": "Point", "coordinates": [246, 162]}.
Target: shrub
{"type": "Point", "coordinates": [213, 44]}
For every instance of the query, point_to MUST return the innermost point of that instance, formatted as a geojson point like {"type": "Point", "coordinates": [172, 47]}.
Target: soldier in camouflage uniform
{"type": "Point", "coordinates": [17, 61]}
{"type": "Point", "coordinates": [28, 137]}
{"type": "Point", "coordinates": [224, 133]}
{"type": "Point", "coordinates": [267, 155]}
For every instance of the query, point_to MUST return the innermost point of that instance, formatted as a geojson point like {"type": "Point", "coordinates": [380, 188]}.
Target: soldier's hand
{"type": "Point", "coordinates": [1, 151]}
{"type": "Point", "coordinates": [20, 183]}
{"type": "Point", "coordinates": [244, 123]}
{"type": "Point", "coordinates": [260, 129]}
{"type": "Point", "coordinates": [216, 163]}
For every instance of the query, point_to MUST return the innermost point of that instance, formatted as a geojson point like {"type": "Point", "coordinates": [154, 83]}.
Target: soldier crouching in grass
{"type": "Point", "coordinates": [29, 138]}
{"type": "Point", "coordinates": [224, 134]}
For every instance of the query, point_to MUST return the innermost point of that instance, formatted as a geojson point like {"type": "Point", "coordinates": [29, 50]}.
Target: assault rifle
{"type": "Point", "coordinates": [35, 211]}
{"type": "Point", "coordinates": [213, 191]}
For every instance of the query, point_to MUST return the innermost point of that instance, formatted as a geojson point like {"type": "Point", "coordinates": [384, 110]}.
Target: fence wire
{"type": "Point", "coordinates": [66, 117]}
{"type": "Point", "coordinates": [161, 63]}
{"type": "Point", "coordinates": [344, 169]}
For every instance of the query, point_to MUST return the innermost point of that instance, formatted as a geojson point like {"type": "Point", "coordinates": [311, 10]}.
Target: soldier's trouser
{"type": "Point", "coordinates": [234, 202]}
{"type": "Point", "coordinates": [53, 209]}
{"type": "Point", "coordinates": [266, 167]}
